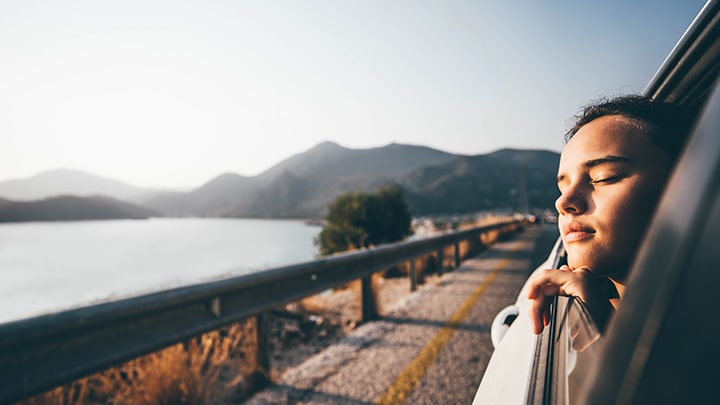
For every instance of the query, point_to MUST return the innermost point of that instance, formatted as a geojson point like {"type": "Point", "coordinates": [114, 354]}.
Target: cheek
{"type": "Point", "coordinates": [614, 214]}
{"type": "Point", "coordinates": [624, 219]}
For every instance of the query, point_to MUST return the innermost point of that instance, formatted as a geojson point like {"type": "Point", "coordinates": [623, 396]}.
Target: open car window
{"type": "Point", "coordinates": [662, 344]}
{"type": "Point", "coordinates": [664, 334]}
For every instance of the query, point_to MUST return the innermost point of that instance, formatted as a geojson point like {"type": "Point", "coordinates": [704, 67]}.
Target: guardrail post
{"type": "Point", "coordinates": [441, 265]}
{"type": "Point", "coordinates": [457, 254]}
{"type": "Point", "coordinates": [413, 275]}
{"type": "Point", "coordinates": [262, 324]}
{"type": "Point", "coordinates": [369, 310]}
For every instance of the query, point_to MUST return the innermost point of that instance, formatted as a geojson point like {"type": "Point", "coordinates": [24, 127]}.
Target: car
{"type": "Point", "coordinates": [662, 346]}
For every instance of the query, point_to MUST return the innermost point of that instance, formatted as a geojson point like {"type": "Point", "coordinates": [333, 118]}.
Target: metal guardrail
{"type": "Point", "coordinates": [40, 353]}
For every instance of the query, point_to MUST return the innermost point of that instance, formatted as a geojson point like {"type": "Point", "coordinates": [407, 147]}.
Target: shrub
{"type": "Point", "coordinates": [358, 219]}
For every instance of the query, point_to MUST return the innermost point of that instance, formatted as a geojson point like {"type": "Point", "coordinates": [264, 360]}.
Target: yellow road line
{"type": "Point", "coordinates": [406, 382]}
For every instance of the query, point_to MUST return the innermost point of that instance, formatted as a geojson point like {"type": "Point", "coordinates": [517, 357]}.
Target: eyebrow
{"type": "Point", "coordinates": [606, 159]}
{"type": "Point", "coordinates": [596, 162]}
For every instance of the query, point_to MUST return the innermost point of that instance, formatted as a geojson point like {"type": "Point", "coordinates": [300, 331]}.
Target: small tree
{"type": "Point", "coordinates": [359, 219]}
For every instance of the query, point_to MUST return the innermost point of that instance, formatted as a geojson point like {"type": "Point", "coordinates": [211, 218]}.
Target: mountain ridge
{"type": "Point", "coordinates": [66, 182]}
{"type": "Point", "coordinates": [72, 208]}
{"type": "Point", "coordinates": [303, 185]}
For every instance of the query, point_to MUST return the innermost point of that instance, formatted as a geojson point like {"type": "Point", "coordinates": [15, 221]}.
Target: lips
{"type": "Point", "coordinates": [574, 232]}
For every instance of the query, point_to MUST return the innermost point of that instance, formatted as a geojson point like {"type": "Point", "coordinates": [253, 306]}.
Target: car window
{"type": "Point", "coordinates": [661, 346]}
{"type": "Point", "coordinates": [565, 353]}
{"type": "Point", "coordinates": [666, 321]}
{"type": "Point", "coordinates": [581, 350]}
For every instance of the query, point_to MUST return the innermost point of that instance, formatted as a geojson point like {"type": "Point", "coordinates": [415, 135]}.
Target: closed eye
{"type": "Point", "coordinates": [607, 180]}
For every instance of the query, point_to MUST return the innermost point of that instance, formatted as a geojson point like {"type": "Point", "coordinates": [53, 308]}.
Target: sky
{"type": "Point", "coordinates": [172, 93]}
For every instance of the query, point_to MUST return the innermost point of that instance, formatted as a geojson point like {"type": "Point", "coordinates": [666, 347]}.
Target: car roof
{"type": "Point", "coordinates": [691, 69]}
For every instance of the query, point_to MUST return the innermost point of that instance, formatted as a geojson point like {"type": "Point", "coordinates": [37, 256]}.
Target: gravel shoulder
{"type": "Point", "coordinates": [304, 328]}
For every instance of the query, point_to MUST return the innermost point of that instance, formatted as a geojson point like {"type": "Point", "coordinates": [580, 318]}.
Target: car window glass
{"type": "Point", "coordinates": [576, 347]}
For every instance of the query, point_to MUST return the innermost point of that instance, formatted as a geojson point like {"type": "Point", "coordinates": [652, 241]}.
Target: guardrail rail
{"type": "Point", "coordinates": [40, 353]}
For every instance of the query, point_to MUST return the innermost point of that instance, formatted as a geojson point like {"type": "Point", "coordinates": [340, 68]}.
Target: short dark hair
{"type": "Point", "coordinates": [665, 124]}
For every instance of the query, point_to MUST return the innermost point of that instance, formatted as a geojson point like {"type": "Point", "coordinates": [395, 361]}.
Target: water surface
{"type": "Point", "coordinates": [46, 266]}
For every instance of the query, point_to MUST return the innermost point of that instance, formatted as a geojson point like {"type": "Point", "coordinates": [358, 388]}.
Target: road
{"type": "Point", "coordinates": [433, 349]}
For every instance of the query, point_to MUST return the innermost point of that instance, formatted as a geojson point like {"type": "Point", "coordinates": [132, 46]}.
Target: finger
{"type": "Point", "coordinates": [538, 280]}
{"type": "Point", "coordinates": [537, 314]}
{"type": "Point", "coordinates": [546, 283]}
{"type": "Point", "coordinates": [568, 283]}
{"type": "Point", "coordinates": [550, 290]}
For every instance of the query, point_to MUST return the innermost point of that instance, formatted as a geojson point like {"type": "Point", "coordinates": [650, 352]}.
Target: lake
{"type": "Point", "coordinates": [47, 266]}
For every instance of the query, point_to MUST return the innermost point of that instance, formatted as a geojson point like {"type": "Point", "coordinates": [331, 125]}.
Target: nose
{"type": "Point", "coordinates": [572, 201]}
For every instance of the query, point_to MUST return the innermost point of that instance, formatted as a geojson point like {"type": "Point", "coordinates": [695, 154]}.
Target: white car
{"type": "Point", "coordinates": [663, 344]}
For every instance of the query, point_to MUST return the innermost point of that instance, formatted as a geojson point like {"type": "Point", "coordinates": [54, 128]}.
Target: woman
{"type": "Point", "coordinates": [616, 161]}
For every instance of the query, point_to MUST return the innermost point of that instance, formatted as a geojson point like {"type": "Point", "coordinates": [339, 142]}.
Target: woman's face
{"type": "Point", "coordinates": [610, 178]}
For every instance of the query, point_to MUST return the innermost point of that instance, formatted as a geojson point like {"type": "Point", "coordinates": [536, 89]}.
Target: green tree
{"type": "Point", "coordinates": [360, 219]}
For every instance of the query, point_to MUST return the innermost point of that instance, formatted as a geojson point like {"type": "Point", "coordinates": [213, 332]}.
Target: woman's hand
{"type": "Point", "coordinates": [579, 283]}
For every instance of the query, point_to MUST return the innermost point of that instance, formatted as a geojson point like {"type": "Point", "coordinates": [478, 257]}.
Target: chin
{"type": "Point", "coordinates": [575, 257]}
{"type": "Point", "coordinates": [576, 261]}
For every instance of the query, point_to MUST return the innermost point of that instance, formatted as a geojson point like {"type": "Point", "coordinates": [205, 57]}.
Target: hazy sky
{"type": "Point", "coordinates": [173, 93]}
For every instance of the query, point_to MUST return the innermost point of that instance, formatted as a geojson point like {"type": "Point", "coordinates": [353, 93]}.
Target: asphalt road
{"type": "Point", "coordinates": [432, 349]}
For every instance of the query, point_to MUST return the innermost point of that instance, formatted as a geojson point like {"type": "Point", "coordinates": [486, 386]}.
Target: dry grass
{"type": "Point", "coordinates": [213, 368]}
{"type": "Point", "coordinates": [350, 311]}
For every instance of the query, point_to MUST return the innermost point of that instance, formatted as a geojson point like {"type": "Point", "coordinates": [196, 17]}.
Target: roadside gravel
{"type": "Point", "coordinates": [304, 328]}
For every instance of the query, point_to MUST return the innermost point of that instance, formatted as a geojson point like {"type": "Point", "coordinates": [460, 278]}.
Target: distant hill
{"type": "Point", "coordinates": [330, 160]}
{"type": "Point", "coordinates": [69, 182]}
{"type": "Point", "coordinates": [434, 182]}
{"type": "Point", "coordinates": [215, 198]}
{"type": "Point", "coordinates": [484, 182]}
{"type": "Point", "coordinates": [305, 184]}
{"type": "Point", "coordinates": [71, 208]}
{"type": "Point", "coordinates": [302, 186]}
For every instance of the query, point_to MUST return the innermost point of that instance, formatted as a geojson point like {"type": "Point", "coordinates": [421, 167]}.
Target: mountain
{"type": "Point", "coordinates": [69, 182]}
{"type": "Point", "coordinates": [484, 182]}
{"type": "Point", "coordinates": [71, 208]}
{"type": "Point", "coordinates": [303, 185]}
{"type": "Point", "coordinates": [215, 198]}
{"type": "Point", "coordinates": [330, 160]}
{"type": "Point", "coordinates": [434, 182]}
